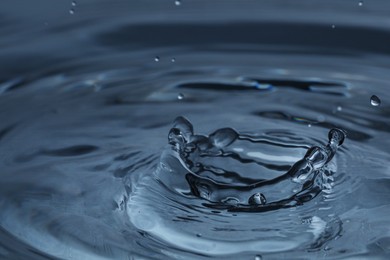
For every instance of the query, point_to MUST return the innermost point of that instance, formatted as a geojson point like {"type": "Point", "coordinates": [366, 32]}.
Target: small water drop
{"type": "Point", "coordinates": [375, 101]}
{"type": "Point", "coordinates": [257, 199]}
{"type": "Point", "coordinates": [74, 3]}
{"type": "Point", "coordinates": [360, 3]}
{"type": "Point", "coordinates": [177, 2]}
{"type": "Point", "coordinates": [333, 26]}
{"type": "Point", "coordinates": [71, 11]}
{"type": "Point", "coordinates": [309, 125]}
{"type": "Point", "coordinates": [182, 128]}
{"type": "Point", "coordinates": [199, 235]}
{"type": "Point", "coordinates": [339, 108]}
{"type": "Point", "coordinates": [157, 59]}
{"type": "Point", "coordinates": [223, 137]}
{"type": "Point", "coordinates": [173, 60]}
{"type": "Point", "coordinates": [336, 136]}
{"type": "Point", "coordinates": [180, 96]}
{"type": "Point", "coordinates": [258, 257]}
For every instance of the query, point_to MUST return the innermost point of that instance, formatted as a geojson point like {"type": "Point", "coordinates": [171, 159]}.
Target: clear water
{"type": "Point", "coordinates": [95, 166]}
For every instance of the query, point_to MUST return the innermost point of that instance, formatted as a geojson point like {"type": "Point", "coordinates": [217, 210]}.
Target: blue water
{"type": "Point", "coordinates": [205, 129]}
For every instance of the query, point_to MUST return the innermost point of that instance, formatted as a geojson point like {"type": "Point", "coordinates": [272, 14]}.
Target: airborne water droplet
{"type": "Point", "coordinates": [177, 2]}
{"type": "Point", "coordinates": [180, 96]}
{"type": "Point", "coordinates": [74, 3]}
{"type": "Point", "coordinates": [333, 26]}
{"type": "Point", "coordinates": [339, 108]}
{"type": "Point", "coordinates": [375, 101]}
{"type": "Point", "coordinates": [71, 11]}
{"type": "Point", "coordinates": [173, 60]}
{"type": "Point", "coordinates": [360, 3]}
{"type": "Point", "coordinates": [157, 59]}
{"type": "Point", "coordinates": [258, 257]}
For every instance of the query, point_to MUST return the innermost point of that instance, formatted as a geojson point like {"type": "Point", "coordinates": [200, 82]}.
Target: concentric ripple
{"type": "Point", "coordinates": [92, 167]}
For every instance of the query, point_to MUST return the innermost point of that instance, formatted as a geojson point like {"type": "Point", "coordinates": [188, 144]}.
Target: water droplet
{"type": "Point", "coordinates": [333, 26]}
{"type": "Point", "coordinates": [375, 101]}
{"type": "Point", "coordinates": [177, 2]}
{"type": "Point", "coordinates": [157, 59]}
{"type": "Point", "coordinates": [336, 136]}
{"type": "Point", "coordinates": [74, 3]}
{"type": "Point", "coordinates": [183, 127]}
{"type": "Point", "coordinates": [71, 11]}
{"type": "Point", "coordinates": [173, 60]}
{"type": "Point", "coordinates": [258, 257]}
{"type": "Point", "coordinates": [180, 96]}
{"type": "Point", "coordinates": [199, 235]}
{"type": "Point", "coordinates": [223, 137]}
{"type": "Point", "coordinates": [309, 125]}
{"type": "Point", "coordinates": [339, 108]}
{"type": "Point", "coordinates": [360, 3]}
{"type": "Point", "coordinates": [257, 199]}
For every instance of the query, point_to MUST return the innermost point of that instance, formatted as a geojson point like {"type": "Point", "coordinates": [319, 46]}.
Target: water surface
{"type": "Point", "coordinates": [95, 166]}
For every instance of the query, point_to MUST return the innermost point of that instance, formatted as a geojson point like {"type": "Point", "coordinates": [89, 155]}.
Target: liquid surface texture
{"type": "Point", "coordinates": [194, 129]}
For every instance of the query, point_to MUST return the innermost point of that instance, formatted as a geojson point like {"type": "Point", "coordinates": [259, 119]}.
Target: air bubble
{"type": "Point", "coordinates": [177, 2]}
{"type": "Point", "coordinates": [173, 60]}
{"type": "Point", "coordinates": [157, 59]}
{"type": "Point", "coordinates": [375, 101]}
{"type": "Point", "coordinates": [71, 11]}
{"type": "Point", "coordinates": [180, 96]}
{"type": "Point", "coordinates": [333, 26]}
{"type": "Point", "coordinates": [360, 3]}
{"type": "Point", "coordinates": [339, 108]}
{"type": "Point", "coordinates": [257, 199]}
{"type": "Point", "coordinates": [74, 3]}
{"type": "Point", "coordinates": [258, 257]}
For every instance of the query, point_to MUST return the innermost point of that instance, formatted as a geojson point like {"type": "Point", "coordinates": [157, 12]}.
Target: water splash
{"type": "Point", "coordinates": [223, 188]}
